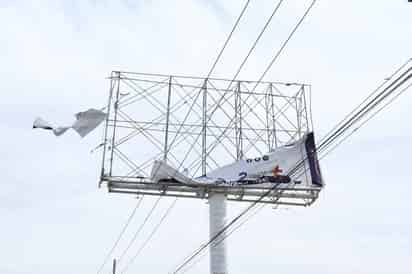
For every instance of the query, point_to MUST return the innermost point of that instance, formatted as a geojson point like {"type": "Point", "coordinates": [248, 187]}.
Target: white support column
{"type": "Point", "coordinates": [217, 219]}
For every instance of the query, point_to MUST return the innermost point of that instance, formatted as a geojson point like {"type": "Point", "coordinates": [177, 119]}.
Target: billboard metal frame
{"type": "Point", "coordinates": [199, 124]}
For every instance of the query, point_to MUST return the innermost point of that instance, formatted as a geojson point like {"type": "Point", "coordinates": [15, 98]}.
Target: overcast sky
{"type": "Point", "coordinates": [55, 56]}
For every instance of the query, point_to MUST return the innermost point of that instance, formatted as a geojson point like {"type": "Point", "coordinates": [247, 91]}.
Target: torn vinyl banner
{"type": "Point", "coordinates": [85, 122]}
{"type": "Point", "coordinates": [293, 164]}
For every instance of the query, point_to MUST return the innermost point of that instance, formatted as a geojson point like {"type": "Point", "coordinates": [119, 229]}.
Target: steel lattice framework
{"type": "Point", "coordinates": [199, 124]}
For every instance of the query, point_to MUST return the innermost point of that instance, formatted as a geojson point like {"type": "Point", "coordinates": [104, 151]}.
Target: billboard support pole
{"type": "Point", "coordinates": [217, 217]}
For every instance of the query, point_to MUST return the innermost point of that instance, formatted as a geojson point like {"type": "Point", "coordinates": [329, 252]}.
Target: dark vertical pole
{"type": "Point", "coordinates": [298, 113]}
{"type": "Point", "coordinates": [239, 153]}
{"type": "Point", "coordinates": [269, 132]}
{"type": "Point", "coordinates": [116, 105]}
{"type": "Point", "coordinates": [106, 128]}
{"type": "Point", "coordinates": [305, 106]}
{"type": "Point", "coordinates": [167, 120]}
{"type": "Point", "coordinates": [273, 116]}
{"type": "Point", "coordinates": [310, 107]}
{"type": "Point", "coordinates": [204, 120]}
{"type": "Point", "coordinates": [237, 124]}
{"type": "Point", "coordinates": [114, 266]}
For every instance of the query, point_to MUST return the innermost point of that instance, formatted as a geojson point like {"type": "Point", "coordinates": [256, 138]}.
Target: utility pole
{"type": "Point", "coordinates": [114, 266]}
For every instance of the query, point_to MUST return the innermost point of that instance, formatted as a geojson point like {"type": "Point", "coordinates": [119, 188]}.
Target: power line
{"type": "Point", "coordinates": [331, 137]}
{"type": "Point", "coordinates": [266, 70]}
{"type": "Point", "coordinates": [234, 220]}
{"type": "Point", "coordinates": [247, 218]}
{"type": "Point", "coordinates": [220, 232]}
{"type": "Point", "coordinates": [247, 57]}
{"type": "Point", "coordinates": [367, 120]}
{"type": "Point", "coordinates": [208, 75]}
{"type": "Point", "coordinates": [210, 72]}
{"type": "Point", "coordinates": [236, 74]}
{"type": "Point", "coordinates": [322, 156]}
{"type": "Point", "coordinates": [338, 132]}
{"type": "Point", "coordinates": [285, 43]}
{"type": "Point", "coordinates": [151, 235]}
{"type": "Point", "coordinates": [120, 235]}
{"type": "Point", "coordinates": [256, 41]}
{"type": "Point", "coordinates": [234, 78]}
{"type": "Point", "coordinates": [140, 228]}
{"type": "Point", "coordinates": [228, 38]}
{"type": "Point", "coordinates": [359, 114]}
{"type": "Point", "coordinates": [369, 106]}
{"type": "Point", "coordinates": [325, 154]}
{"type": "Point", "coordinates": [174, 202]}
{"type": "Point", "coordinates": [369, 96]}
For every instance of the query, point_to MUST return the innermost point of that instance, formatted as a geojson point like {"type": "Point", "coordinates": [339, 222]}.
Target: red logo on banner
{"type": "Point", "coordinates": [276, 171]}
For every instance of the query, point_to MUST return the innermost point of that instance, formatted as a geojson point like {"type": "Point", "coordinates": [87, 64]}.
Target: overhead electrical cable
{"type": "Point", "coordinates": [120, 235]}
{"type": "Point", "coordinates": [195, 253]}
{"type": "Point", "coordinates": [199, 92]}
{"type": "Point", "coordinates": [336, 134]}
{"type": "Point", "coordinates": [374, 113]}
{"type": "Point", "coordinates": [370, 105]}
{"type": "Point", "coordinates": [211, 71]}
{"type": "Point", "coordinates": [221, 231]}
{"type": "Point", "coordinates": [251, 49]}
{"type": "Point", "coordinates": [284, 44]}
{"type": "Point", "coordinates": [174, 202]}
{"type": "Point", "coordinates": [241, 67]}
{"type": "Point", "coordinates": [361, 113]}
{"type": "Point", "coordinates": [323, 155]}
{"type": "Point", "coordinates": [140, 228]}
{"type": "Point", "coordinates": [235, 77]}
{"type": "Point", "coordinates": [267, 68]}
{"type": "Point", "coordinates": [150, 235]}
{"type": "Point", "coordinates": [369, 96]}
{"type": "Point", "coordinates": [256, 42]}
{"type": "Point", "coordinates": [228, 39]}
{"type": "Point", "coordinates": [361, 117]}
{"type": "Point", "coordinates": [247, 218]}
{"type": "Point", "coordinates": [365, 121]}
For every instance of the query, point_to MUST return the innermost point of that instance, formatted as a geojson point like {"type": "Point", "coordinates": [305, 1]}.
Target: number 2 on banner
{"type": "Point", "coordinates": [242, 175]}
